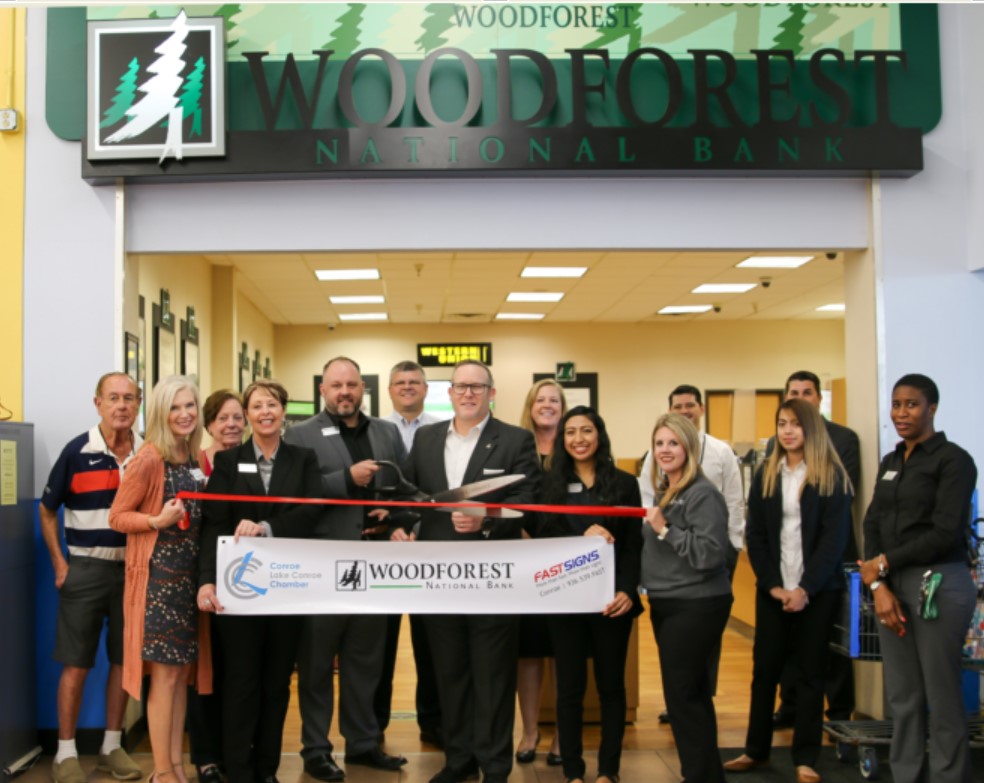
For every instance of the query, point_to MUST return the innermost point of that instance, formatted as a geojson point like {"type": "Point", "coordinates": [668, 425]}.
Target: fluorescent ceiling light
{"type": "Point", "coordinates": [347, 274]}
{"type": "Point", "coordinates": [680, 309]}
{"type": "Point", "coordinates": [519, 316]}
{"type": "Point", "coordinates": [774, 262]}
{"type": "Point", "coordinates": [536, 296]}
{"type": "Point", "coordinates": [554, 271]}
{"type": "Point", "coordinates": [724, 288]}
{"type": "Point", "coordinates": [832, 308]}
{"type": "Point", "coordinates": [362, 316]}
{"type": "Point", "coordinates": [374, 299]}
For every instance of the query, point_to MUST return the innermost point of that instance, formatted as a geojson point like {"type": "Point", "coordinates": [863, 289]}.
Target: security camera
{"type": "Point", "coordinates": [717, 308]}
{"type": "Point", "coordinates": [831, 255]}
{"type": "Point", "coordinates": [765, 281]}
{"type": "Point", "coordinates": [332, 326]}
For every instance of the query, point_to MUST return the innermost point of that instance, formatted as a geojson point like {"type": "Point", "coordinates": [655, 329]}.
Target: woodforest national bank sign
{"type": "Point", "coordinates": [387, 89]}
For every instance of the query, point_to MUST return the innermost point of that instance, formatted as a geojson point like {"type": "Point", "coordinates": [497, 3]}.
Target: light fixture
{"type": "Point", "coordinates": [347, 274]}
{"type": "Point", "coordinates": [362, 316]}
{"type": "Point", "coordinates": [681, 309]}
{"type": "Point", "coordinates": [774, 262]}
{"type": "Point", "coordinates": [535, 296]}
{"type": "Point", "coordinates": [344, 300]}
{"type": "Point", "coordinates": [832, 308]}
{"type": "Point", "coordinates": [724, 288]}
{"type": "Point", "coordinates": [519, 316]}
{"type": "Point", "coordinates": [554, 271]}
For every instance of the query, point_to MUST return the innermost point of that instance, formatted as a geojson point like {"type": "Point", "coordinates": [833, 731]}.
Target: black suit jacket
{"type": "Point", "coordinates": [825, 525]}
{"type": "Point", "coordinates": [501, 449]}
{"type": "Point", "coordinates": [295, 475]}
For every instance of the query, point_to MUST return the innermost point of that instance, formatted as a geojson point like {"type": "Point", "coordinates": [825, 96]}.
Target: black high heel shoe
{"type": "Point", "coordinates": [528, 756]}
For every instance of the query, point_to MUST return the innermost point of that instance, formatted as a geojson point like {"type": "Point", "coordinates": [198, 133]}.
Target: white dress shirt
{"type": "Point", "coordinates": [458, 450]}
{"type": "Point", "coordinates": [720, 465]}
{"type": "Point", "coordinates": [408, 427]}
{"type": "Point", "coordinates": [791, 538]}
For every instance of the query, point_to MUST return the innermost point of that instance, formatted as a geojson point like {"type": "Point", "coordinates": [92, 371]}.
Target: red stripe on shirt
{"type": "Point", "coordinates": [95, 481]}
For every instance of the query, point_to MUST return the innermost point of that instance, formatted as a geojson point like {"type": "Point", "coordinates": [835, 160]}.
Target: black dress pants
{"type": "Point", "coordinates": [203, 720]}
{"type": "Point", "coordinates": [688, 631]}
{"type": "Point", "coordinates": [427, 700]}
{"type": "Point", "coordinates": [259, 660]}
{"type": "Point", "coordinates": [576, 638]}
{"type": "Point", "coordinates": [382, 702]}
{"type": "Point", "coordinates": [801, 640]}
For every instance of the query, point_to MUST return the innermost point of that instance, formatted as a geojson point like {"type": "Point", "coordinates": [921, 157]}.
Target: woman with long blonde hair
{"type": "Point", "coordinates": [161, 628]}
{"type": "Point", "coordinates": [799, 518]}
{"type": "Point", "coordinates": [685, 573]}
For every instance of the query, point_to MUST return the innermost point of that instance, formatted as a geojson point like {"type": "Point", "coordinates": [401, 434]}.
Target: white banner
{"type": "Point", "coordinates": [305, 576]}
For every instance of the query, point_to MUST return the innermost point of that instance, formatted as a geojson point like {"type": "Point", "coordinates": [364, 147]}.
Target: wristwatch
{"type": "Point", "coordinates": [661, 535]}
{"type": "Point", "coordinates": [875, 585]}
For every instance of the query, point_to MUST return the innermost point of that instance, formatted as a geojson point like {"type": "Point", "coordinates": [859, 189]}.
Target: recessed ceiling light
{"type": "Point", "coordinates": [536, 296]}
{"type": "Point", "coordinates": [375, 299]}
{"type": "Point", "coordinates": [680, 309]}
{"type": "Point", "coordinates": [554, 271]}
{"type": "Point", "coordinates": [832, 308]}
{"type": "Point", "coordinates": [347, 274]}
{"type": "Point", "coordinates": [724, 288]}
{"type": "Point", "coordinates": [362, 316]}
{"type": "Point", "coordinates": [519, 316]}
{"type": "Point", "coordinates": [774, 262]}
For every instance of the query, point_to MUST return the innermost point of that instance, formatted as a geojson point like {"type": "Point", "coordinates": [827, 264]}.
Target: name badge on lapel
{"type": "Point", "coordinates": [248, 467]}
{"type": "Point", "coordinates": [573, 489]}
{"type": "Point", "coordinates": [329, 431]}
{"type": "Point", "coordinates": [197, 474]}
{"type": "Point", "coordinates": [889, 475]}
{"type": "Point", "coordinates": [493, 471]}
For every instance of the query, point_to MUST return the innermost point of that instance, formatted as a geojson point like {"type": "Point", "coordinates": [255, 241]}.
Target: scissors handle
{"type": "Point", "coordinates": [402, 486]}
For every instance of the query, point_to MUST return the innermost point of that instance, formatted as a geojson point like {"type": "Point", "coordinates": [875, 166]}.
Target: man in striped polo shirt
{"type": "Point", "coordinates": [90, 582]}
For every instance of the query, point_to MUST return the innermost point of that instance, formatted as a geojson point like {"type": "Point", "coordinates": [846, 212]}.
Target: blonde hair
{"type": "Point", "coordinates": [824, 469]}
{"type": "Point", "coordinates": [689, 438]}
{"type": "Point", "coordinates": [158, 410]}
{"type": "Point", "coordinates": [526, 418]}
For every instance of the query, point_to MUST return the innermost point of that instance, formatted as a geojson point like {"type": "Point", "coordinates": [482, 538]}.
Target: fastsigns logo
{"type": "Point", "coordinates": [566, 566]}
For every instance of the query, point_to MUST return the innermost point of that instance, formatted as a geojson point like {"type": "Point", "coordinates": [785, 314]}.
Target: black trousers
{"type": "Point", "coordinates": [382, 703]}
{"type": "Point", "coordinates": [203, 720]}
{"type": "Point", "coordinates": [427, 700]}
{"type": "Point", "coordinates": [688, 631]}
{"type": "Point", "coordinates": [476, 656]}
{"type": "Point", "coordinates": [799, 639]}
{"type": "Point", "coordinates": [259, 662]}
{"type": "Point", "coordinates": [576, 638]}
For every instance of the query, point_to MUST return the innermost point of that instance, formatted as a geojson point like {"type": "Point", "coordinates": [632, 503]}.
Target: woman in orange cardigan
{"type": "Point", "coordinates": [161, 628]}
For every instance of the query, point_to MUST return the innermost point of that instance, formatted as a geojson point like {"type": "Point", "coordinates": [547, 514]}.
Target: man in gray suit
{"type": "Point", "coordinates": [347, 443]}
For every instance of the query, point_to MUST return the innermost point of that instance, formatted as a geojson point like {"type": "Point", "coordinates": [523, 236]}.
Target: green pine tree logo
{"type": "Point", "coordinates": [227, 11]}
{"type": "Point", "coordinates": [631, 28]}
{"type": "Point", "coordinates": [790, 34]}
{"type": "Point", "coordinates": [345, 37]}
{"type": "Point", "coordinates": [191, 97]}
{"type": "Point", "coordinates": [437, 21]}
{"type": "Point", "coordinates": [126, 93]}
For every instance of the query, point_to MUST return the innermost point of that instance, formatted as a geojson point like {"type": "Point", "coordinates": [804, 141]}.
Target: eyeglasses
{"type": "Point", "coordinates": [475, 388]}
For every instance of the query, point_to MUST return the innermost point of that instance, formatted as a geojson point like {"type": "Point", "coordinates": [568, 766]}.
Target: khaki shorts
{"type": "Point", "coordinates": [91, 597]}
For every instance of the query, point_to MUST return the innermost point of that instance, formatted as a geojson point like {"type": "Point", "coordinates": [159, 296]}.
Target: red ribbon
{"type": "Point", "coordinates": [598, 511]}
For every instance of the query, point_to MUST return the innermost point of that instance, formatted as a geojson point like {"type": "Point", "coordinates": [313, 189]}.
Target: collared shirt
{"type": "Point", "coordinates": [458, 450]}
{"type": "Point", "coordinates": [791, 537]}
{"type": "Point", "coordinates": [408, 427]}
{"type": "Point", "coordinates": [920, 509]}
{"type": "Point", "coordinates": [264, 465]}
{"type": "Point", "coordinates": [85, 479]}
{"type": "Point", "coordinates": [720, 465]}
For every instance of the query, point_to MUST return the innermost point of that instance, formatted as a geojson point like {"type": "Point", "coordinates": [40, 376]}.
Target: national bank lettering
{"type": "Point", "coordinates": [450, 101]}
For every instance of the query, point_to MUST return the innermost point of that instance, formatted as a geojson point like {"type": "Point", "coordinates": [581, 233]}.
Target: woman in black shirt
{"type": "Point", "coordinates": [916, 529]}
{"type": "Point", "coordinates": [582, 472]}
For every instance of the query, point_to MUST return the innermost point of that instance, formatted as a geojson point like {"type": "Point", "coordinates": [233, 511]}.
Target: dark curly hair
{"type": "Point", "coordinates": [562, 466]}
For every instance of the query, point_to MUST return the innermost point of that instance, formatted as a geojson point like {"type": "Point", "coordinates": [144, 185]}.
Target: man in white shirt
{"type": "Point", "coordinates": [407, 391]}
{"type": "Point", "coordinates": [720, 465]}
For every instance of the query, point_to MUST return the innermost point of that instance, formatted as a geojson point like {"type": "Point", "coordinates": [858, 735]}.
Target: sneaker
{"type": "Point", "coordinates": [119, 765]}
{"type": "Point", "coordinates": [68, 771]}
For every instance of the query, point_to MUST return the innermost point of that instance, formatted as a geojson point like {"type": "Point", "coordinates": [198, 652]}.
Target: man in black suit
{"type": "Point", "coordinates": [476, 654]}
{"type": "Point", "coordinates": [347, 443]}
{"type": "Point", "coordinates": [839, 680]}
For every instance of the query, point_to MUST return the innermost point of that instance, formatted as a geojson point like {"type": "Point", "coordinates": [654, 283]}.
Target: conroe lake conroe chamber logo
{"type": "Point", "coordinates": [156, 88]}
{"type": "Point", "coordinates": [240, 577]}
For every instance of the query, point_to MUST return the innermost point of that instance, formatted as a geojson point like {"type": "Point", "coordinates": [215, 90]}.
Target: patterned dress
{"type": "Point", "coordinates": [171, 619]}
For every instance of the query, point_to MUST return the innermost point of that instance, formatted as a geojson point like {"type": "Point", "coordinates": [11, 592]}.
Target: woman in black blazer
{"type": "Point", "coordinates": [582, 472]}
{"type": "Point", "coordinates": [259, 650]}
{"type": "Point", "coordinates": [799, 517]}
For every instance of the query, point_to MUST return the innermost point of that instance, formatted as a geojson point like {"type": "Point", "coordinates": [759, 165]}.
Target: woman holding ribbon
{"type": "Point", "coordinates": [583, 473]}
{"type": "Point", "coordinates": [162, 634]}
{"type": "Point", "coordinates": [260, 649]}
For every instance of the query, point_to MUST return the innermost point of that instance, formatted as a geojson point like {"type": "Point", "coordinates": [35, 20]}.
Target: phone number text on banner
{"type": "Point", "coordinates": [304, 576]}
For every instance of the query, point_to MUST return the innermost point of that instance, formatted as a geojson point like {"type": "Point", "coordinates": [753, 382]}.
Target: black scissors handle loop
{"type": "Point", "coordinates": [402, 487]}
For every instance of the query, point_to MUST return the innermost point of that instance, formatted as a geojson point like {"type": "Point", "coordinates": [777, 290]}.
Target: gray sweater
{"type": "Point", "coordinates": [690, 561]}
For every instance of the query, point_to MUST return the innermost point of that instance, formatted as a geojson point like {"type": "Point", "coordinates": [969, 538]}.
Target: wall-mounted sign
{"type": "Point", "coordinates": [449, 354]}
{"type": "Point", "coordinates": [566, 372]}
{"type": "Point", "coordinates": [379, 89]}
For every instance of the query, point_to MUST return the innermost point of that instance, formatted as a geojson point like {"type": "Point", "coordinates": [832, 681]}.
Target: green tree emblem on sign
{"type": "Point", "coordinates": [436, 23]}
{"type": "Point", "coordinates": [191, 97]}
{"type": "Point", "coordinates": [790, 34]}
{"type": "Point", "coordinates": [227, 12]}
{"type": "Point", "coordinates": [126, 93]}
{"type": "Point", "coordinates": [345, 37]}
{"type": "Point", "coordinates": [630, 28]}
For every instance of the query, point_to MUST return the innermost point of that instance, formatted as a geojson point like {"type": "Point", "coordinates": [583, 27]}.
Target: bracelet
{"type": "Point", "coordinates": [661, 535]}
{"type": "Point", "coordinates": [882, 567]}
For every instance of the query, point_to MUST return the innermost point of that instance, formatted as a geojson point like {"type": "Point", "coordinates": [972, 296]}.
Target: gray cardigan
{"type": "Point", "coordinates": [690, 561]}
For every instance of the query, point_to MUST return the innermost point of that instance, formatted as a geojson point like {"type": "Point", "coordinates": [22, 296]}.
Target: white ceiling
{"type": "Point", "coordinates": [446, 287]}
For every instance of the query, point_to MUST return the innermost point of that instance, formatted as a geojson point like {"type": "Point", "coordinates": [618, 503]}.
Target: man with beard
{"type": "Point", "coordinates": [347, 443]}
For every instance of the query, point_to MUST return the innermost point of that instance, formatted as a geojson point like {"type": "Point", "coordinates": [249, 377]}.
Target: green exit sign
{"type": "Point", "coordinates": [565, 371]}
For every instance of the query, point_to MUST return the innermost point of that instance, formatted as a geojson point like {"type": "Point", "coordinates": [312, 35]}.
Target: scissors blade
{"type": "Point", "coordinates": [473, 490]}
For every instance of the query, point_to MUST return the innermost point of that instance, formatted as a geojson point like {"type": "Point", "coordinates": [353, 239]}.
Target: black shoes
{"type": "Point", "coordinates": [529, 755]}
{"type": "Point", "coordinates": [376, 758]}
{"type": "Point", "coordinates": [554, 760]}
{"type": "Point", "coordinates": [782, 719]}
{"type": "Point", "coordinates": [664, 718]}
{"type": "Point", "coordinates": [323, 767]}
{"type": "Point", "coordinates": [210, 773]}
{"type": "Point", "coordinates": [449, 775]}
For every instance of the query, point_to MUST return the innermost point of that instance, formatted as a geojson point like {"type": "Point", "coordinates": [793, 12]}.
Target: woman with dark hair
{"type": "Point", "coordinates": [260, 651]}
{"type": "Point", "coordinates": [915, 544]}
{"type": "Point", "coordinates": [582, 472]}
{"type": "Point", "coordinates": [799, 518]}
{"type": "Point", "coordinates": [225, 422]}
{"type": "Point", "coordinates": [544, 406]}
{"type": "Point", "coordinates": [684, 571]}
